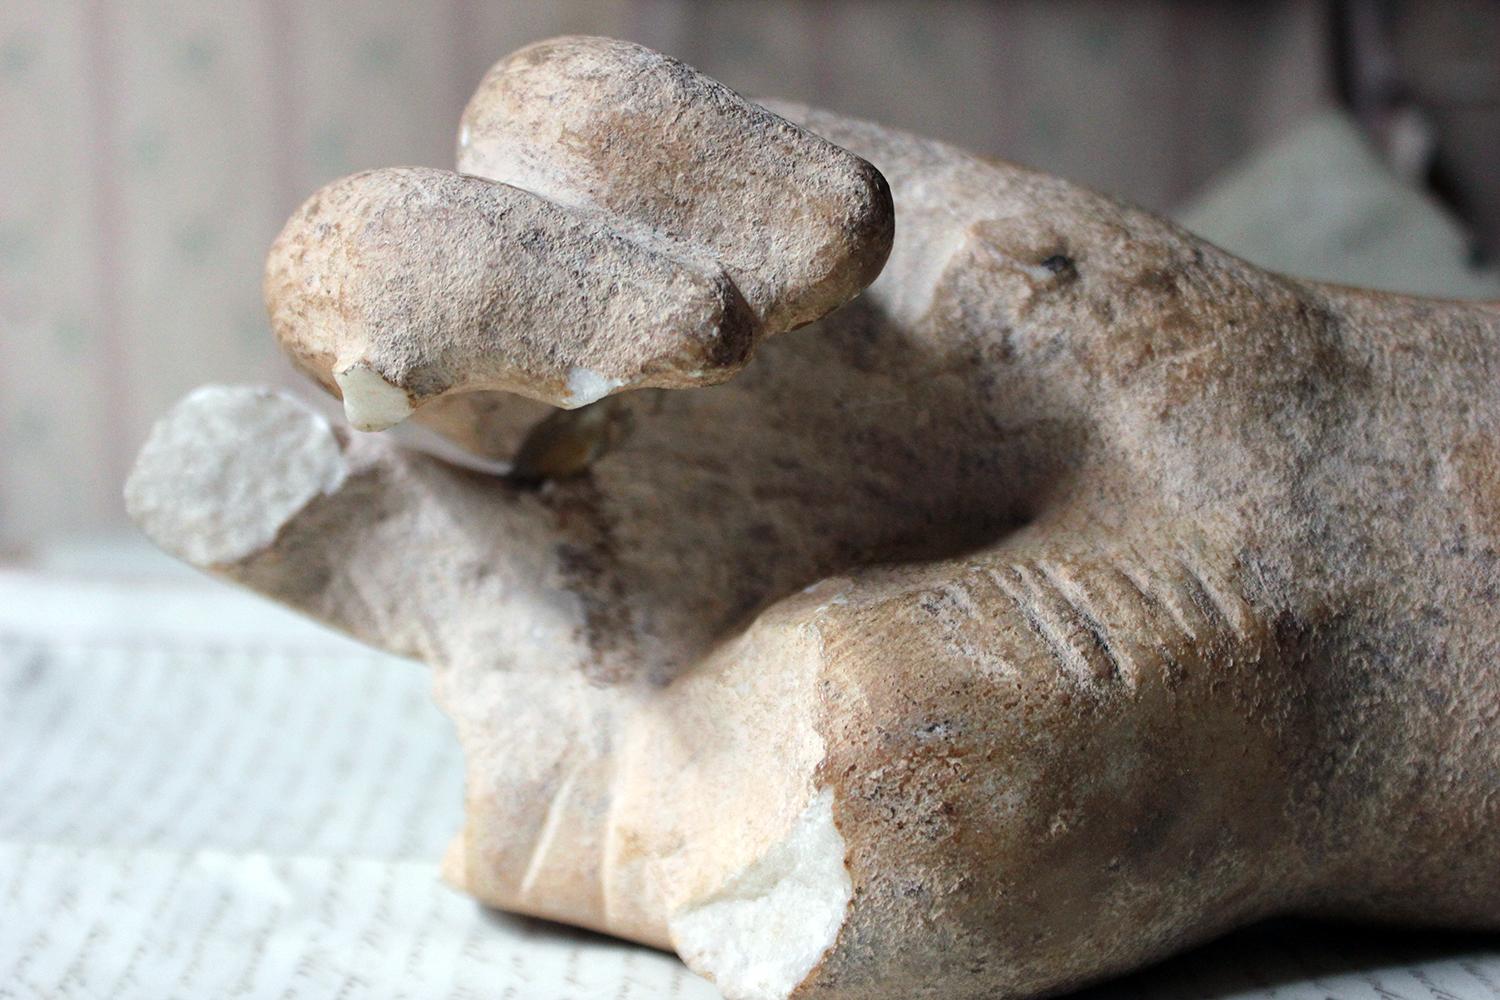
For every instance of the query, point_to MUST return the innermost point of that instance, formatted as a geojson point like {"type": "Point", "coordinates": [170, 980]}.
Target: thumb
{"type": "Point", "coordinates": [423, 560]}
{"type": "Point", "coordinates": [390, 546]}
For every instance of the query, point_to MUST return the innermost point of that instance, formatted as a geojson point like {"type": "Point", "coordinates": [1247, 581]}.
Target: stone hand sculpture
{"type": "Point", "coordinates": [1076, 593]}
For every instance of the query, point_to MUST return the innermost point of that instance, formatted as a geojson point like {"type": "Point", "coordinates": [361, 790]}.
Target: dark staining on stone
{"type": "Point", "coordinates": [565, 443]}
{"type": "Point", "coordinates": [939, 729]}
{"type": "Point", "coordinates": [1061, 265]}
{"type": "Point", "coordinates": [735, 339]}
{"type": "Point", "coordinates": [586, 562]}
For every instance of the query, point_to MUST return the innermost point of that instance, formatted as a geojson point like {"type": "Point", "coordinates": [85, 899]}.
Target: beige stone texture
{"type": "Point", "coordinates": [1075, 593]}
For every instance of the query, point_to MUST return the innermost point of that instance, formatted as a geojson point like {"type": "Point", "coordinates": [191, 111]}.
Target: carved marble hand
{"type": "Point", "coordinates": [1075, 593]}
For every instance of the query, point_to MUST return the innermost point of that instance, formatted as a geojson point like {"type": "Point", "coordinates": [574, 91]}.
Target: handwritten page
{"type": "Point", "coordinates": [203, 796]}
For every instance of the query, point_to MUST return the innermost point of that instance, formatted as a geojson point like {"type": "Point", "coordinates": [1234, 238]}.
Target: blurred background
{"type": "Point", "coordinates": [150, 150]}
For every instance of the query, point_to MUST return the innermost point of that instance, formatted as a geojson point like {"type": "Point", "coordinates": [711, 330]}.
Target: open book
{"type": "Point", "coordinates": [204, 796]}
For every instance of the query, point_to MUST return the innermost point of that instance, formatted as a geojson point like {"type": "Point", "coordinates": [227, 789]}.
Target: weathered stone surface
{"type": "Point", "coordinates": [800, 224]}
{"type": "Point", "coordinates": [620, 222]}
{"type": "Point", "coordinates": [410, 283]}
{"type": "Point", "coordinates": [1076, 593]}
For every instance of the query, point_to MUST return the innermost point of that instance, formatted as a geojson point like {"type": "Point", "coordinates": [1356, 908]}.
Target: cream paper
{"type": "Point", "coordinates": [204, 797]}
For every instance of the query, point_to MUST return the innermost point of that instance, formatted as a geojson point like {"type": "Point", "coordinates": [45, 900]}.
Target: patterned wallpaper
{"type": "Point", "coordinates": [150, 149]}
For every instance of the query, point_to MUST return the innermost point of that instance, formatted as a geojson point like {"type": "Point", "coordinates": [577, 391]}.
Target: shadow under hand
{"type": "Point", "coordinates": [534, 958]}
{"type": "Point", "coordinates": [1312, 960]}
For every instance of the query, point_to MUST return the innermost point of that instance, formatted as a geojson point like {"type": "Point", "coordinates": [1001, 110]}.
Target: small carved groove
{"type": "Point", "coordinates": [1155, 611]}
{"type": "Point", "coordinates": [1025, 592]}
{"type": "Point", "coordinates": [552, 827]}
{"type": "Point", "coordinates": [1073, 594]}
{"type": "Point", "coordinates": [1218, 604]}
{"type": "Point", "coordinates": [1153, 598]}
{"type": "Point", "coordinates": [1148, 599]}
{"type": "Point", "coordinates": [1203, 597]}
